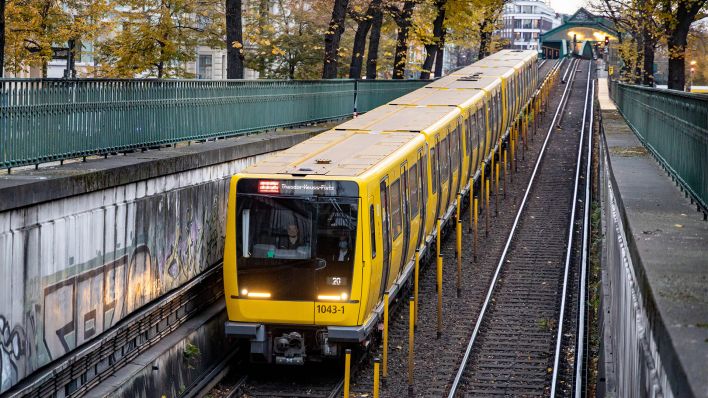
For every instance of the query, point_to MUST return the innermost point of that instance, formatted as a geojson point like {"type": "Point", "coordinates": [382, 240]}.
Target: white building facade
{"type": "Point", "coordinates": [525, 20]}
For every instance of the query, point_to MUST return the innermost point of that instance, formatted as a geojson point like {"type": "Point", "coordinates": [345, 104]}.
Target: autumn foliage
{"type": "Point", "coordinates": [291, 39]}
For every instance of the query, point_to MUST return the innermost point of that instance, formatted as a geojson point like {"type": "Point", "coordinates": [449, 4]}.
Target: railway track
{"type": "Point", "coordinates": [435, 358]}
{"type": "Point", "coordinates": [523, 343]}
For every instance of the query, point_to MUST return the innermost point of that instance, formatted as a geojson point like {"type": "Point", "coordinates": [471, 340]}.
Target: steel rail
{"type": "Point", "coordinates": [584, 263]}
{"type": "Point", "coordinates": [563, 80]}
{"type": "Point", "coordinates": [569, 245]}
{"type": "Point", "coordinates": [237, 387]}
{"type": "Point", "coordinates": [490, 291]}
{"type": "Point", "coordinates": [564, 104]}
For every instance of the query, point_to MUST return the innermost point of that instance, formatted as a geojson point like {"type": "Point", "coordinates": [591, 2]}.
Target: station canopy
{"type": "Point", "coordinates": [582, 29]}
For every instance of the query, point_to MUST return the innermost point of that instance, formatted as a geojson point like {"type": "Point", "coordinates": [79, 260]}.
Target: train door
{"type": "Point", "coordinates": [423, 189]}
{"type": "Point", "coordinates": [459, 156]}
{"type": "Point", "coordinates": [376, 277]}
{"type": "Point", "coordinates": [385, 235]}
{"type": "Point", "coordinates": [405, 215]}
{"type": "Point", "coordinates": [395, 200]}
{"type": "Point", "coordinates": [473, 143]}
{"type": "Point", "coordinates": [445, 180]}
{"type": "Point", "coordinates": [435, 169]}
{"type": "Point", "coordinates": [468, 145]}
{"type": "Point", "coordinates": [486, 130]}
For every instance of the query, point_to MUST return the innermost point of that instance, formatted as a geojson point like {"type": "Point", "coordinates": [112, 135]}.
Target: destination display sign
{"type": "Point", "coordinates": [297, 187]}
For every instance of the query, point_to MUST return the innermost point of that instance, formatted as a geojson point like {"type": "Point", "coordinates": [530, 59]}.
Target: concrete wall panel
{"type": "Point", "coordinates": [74, 267]}
{"type": "Point", "coordinates": [639, 371]}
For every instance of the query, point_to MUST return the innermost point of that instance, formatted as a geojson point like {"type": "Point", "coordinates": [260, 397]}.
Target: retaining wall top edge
{"type": "Point", "coordinates": [28, 187]}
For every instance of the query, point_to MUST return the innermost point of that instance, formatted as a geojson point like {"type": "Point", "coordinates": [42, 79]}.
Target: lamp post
{"type": "Point", "coordinates": [693, 70]}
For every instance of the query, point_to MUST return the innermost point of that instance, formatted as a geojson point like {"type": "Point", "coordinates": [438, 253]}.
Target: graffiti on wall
{"type": "Point", "coordinates": [78, 308]}
{"type": "Point", "coordinates": [151, 245]}
{"type": "Point", "coordinates": [12, 350]}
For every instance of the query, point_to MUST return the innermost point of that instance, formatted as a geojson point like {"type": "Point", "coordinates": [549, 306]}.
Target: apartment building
{"type": "Point", "coordinates": [525, 20]}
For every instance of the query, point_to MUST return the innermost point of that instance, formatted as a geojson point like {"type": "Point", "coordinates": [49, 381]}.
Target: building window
{"type": "Point", "coordinates": [204, 70]}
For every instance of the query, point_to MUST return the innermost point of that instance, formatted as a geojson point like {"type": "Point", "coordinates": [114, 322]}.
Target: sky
{"type": "Point", "coordinates": [568, 6]}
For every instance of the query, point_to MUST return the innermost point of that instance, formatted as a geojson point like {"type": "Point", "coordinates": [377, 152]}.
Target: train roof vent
{"type": "Point", "coordinates": [471, 78]}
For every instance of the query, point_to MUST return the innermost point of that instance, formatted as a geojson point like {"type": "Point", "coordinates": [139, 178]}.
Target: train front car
{"type": "Point", "coordinates": [289, 265]}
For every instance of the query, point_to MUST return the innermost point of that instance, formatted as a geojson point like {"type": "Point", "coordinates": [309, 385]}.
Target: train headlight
{"type": "Point", "coordinates": [327, 297]}
{"type": "Point", "coordinates": [258, 295]}
{"type": "Point", "coordinates": [244, 292]}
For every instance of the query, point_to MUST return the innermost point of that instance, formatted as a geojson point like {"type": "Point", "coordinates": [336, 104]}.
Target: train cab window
{"type": "Point", "coordinates": [396, 221]}
{"type": "Point", "coordinates": [295, 247]}
{"type": "Point", "coordinates": [372, 226]}
{"type": "Point", "coordinates": [444, 159]}
{"type": "Point", "coordinates": [413, 187]}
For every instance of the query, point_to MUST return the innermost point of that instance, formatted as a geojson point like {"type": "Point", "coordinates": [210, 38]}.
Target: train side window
{"type": "Point", "coordinates": [372, 225]}
{"type": "Point", "coordinates": [396, 208]}
{"type": "Point", "coordinates": [482, 127]}
{"type": "Point", "coordinates": [413, 186]}
{"type": "Point", "coordinates": [433, 169]}
{"type": "Point", "coordinates": [468, 136]}
{"type": "Point", "coordinates": [445, 159]}
{"type": "Point", "coordinates": [455, 148]}
{"type": "Point", "coordinates": [474, 138]}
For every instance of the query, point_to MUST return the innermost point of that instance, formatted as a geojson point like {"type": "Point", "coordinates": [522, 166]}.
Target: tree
{"type": "Point", "coordinates": [648, 24]}
{"type": "Point", "coordinates": [158, 38]}
{"type": "Point", "coordinates": [434, 44]}
{"type": "Point", "coordinates": [491, 11]}
{"type": "Point", "coordinates": [33, 27]}
{"type": "Point", "coordinates": [234, 40]}
{"type": "Point", "coordinates": [678, 17]}
{"type": "Point", "coordinates": [364, 22]}
{"type": "Point", "coordinates": [404, 20]}
{"type": "Point", "coordinates": [285, 41]}
{"type": "Point", "coordinates": [640, 26]}
{"type": "Point", "coordinates": [332, 39]}
{"type": "Point", "coordinates": [374, 40]}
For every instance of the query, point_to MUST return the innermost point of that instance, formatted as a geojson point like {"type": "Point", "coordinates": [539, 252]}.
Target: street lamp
{"type": "Point", "coordinates": [693, 70]}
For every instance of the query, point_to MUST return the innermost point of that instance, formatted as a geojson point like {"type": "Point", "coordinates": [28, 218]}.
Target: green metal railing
{"type": "Point", "coordinates": [44, 120]}
{"type": "Point", "coordinates": [674, 126]}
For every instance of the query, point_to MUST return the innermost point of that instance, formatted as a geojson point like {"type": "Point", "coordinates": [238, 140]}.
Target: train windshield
{"type": "Point", "coordinates": [295, 247]}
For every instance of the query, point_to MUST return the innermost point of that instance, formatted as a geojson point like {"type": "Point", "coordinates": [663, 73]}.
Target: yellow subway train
{"type": "Point", "coordinates": [317, 233]}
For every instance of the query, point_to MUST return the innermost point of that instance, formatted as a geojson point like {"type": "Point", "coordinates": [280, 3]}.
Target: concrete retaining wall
{"type": "Point", "coordinates": [74, 264]}
{"type": "Point", "coordinates": [632, 365]}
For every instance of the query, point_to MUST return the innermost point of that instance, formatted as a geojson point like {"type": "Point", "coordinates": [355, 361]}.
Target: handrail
{"type": "Point", "coordinates": [673, 125]}
{"type": "Point", "coordinates": [43, 120]}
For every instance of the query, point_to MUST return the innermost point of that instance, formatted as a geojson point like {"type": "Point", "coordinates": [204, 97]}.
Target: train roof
{"type": "Point", "coordinates": [417, 118]}
{"type": "Point", "coordinates": [528, 55]}
{"type": "Point", "coordinates": [429, 96]}
{"type": "Point", "coordinates": [480, 81]}
{"type": "Point", "coordinates": [501, 63]}
{"type": "Point", "coordinates": [335, 153]}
